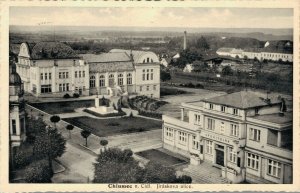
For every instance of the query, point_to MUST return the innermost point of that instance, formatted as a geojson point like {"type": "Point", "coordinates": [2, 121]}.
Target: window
{"type": "Point", "coordinates": [46, 77]}
{"type": "Point", "coordinates": [147, 74]}
{"type": "Point", "coordinates": [141, 88]}
{"type": "Point", "coordinates": [120, 79]}
{"type": "Point", "coordinates": [59, 75]}
{"type": "Point", "coordinates": [211, 106]}
{"type": "Point", "coordinates": [232, 155]}
{"type": "Point", "coordinates": [75, 74]}
{"type": "Point", "coordinates": [197, 119]}
{"type": "Point", "coordinates": [102, 81]}
{"type": "Point", "coordinates": [254, 134]}
{"type": "Point", "coordinates": [129, 78]}
{"type": "Point", "coordinates": [83, 74]}
{"type": "Point", "coordinates": [148, 60]}
{"type": "Point", "coordinates": [92, 81]}
{"type": "Point", "coordinates": [46, 88]}
{"type": "Point", "coordinates": [63, 75]}
{"type": "Point", "coordinates": [209, 147]}
{"type": "Point", "coordinates": [154, 87]}
{"type": "Point", "coordinates": [182, 137]}
{"type": "Point", "coordinates": [151, 75]}
{"type": "Point", "coordinates": [74, 62]}
{"type": "Point", "coordinates": [210, 124]}
{"type": "Point", "coordinates": [252, 161]}
{"type": "Point", "coordinates": [79, 74]}
{"type": "Point", "coordinates": [223, 109]}
{"type": "Point", "coordinates": [14, 127]}
{"type": "Point", "coordinates": [169, 133]}
{"type": "Point", "coordinates": [144, 74]}
{"type": "Point", "coordinates": [42, 76]}
{"type": "Point", "coordinates": [256, 111]}
{"type": "Point", "coordinates": [67, 87]}
{"type": "Point", "coordinates": [67, 74]}
{"type": "Point", "coordinates": [111, 80]}
{"type": "Point", "coordinates": [234, 130]}
{"type": "Point", "coordinates": [195, 143]}
{"type": "Point", "coordinates": [274, 168]}
{"type": "Point", "coordinates": [222, 127]}
{"type": "Point", "coordinates": [147, 88]}
{"type": "Point", "coordinates": [60, 88]}
{"type": "Point", "coordinates": [49, 76]}
{"type": "Point", "coordinates": [235, 111]}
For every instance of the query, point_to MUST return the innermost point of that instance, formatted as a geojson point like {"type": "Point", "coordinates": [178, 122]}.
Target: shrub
{"type": "Point", "coordinates": [38, 172]}
{"type": "Point", "coordinates": [113, 124]}
{"type": "Point", "coordinates": [66, 96]}
{"type": "Point", "coordinates": [22, 158]}
{"type": "Point", "coordinates": [76, 95]}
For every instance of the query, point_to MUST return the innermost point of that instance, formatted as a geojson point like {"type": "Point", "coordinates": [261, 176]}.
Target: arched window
{"type": "Point", "coordinates": [129, 78]}
{"type": "Point", "coordinates": [111, 80]}
{"type": "Point", "coordinates": [92, 82]}
{"type": "Point", "coordinates": [102, 81]}
{"type": "Point", "coordinates": [120, 79]}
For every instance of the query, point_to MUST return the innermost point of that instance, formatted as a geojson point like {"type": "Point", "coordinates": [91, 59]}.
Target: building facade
{"type": "Point", "coordinates": [245, 134]}
{"type": "Point", "coordinates": [52, 69]}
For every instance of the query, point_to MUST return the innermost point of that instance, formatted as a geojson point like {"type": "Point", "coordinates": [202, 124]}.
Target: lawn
{"type": "Point", "coordinates": [63, 107]}
{"type": "Point", "coordinates": [160, 157]}
{"type": "Point", "coordinates": [114, 126]}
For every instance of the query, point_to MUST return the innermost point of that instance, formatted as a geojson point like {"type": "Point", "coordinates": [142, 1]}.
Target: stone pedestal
{"type": "Point", "coordinates": [96, 102]}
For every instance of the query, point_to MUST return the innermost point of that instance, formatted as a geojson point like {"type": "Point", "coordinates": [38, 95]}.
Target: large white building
{"type": "Point", "coordinates": [245, 134]}
{"type": "Point", "coordinates": [54, 69]}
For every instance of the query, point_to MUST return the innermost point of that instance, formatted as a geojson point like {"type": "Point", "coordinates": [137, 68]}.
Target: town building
{"type": "Point", "coordinates": [232, 52]}
{"type": "Point", "coordinates": [17, 125]}
{"type": "Point", "coordinates": [165, 62]}
{"type": "Point", "coordinates": [248, 135]}
{"type": "Point", "coordinates": [52, 69]}
{"type": "Point", "coordinates": [124, 71]}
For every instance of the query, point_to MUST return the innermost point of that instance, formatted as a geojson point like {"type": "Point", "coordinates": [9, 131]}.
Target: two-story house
{"type": "Point", "coordinates": [245, 134]}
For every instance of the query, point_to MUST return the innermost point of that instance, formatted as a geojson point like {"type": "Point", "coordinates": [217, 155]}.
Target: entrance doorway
{"type": "Point", "coordinates": [220, 155]}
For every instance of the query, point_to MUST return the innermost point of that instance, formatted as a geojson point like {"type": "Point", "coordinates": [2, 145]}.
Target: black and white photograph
{"type": "Point", "coordinates": [150, 97]}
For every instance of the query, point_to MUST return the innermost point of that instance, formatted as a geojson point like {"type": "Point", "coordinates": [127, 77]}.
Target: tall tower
{"type": "Point", "coordinates": [184, 41]}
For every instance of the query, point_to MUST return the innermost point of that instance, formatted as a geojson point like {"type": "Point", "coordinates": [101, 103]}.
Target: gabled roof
{"type": "Point", "coordinates": [106, 57]}
{"type": "Point", "coordinates": [244, 99]}
{"type": "Point", "coordinates": [51, 50]}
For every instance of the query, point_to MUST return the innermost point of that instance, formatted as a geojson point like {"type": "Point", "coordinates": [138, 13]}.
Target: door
{"type": "Point", "coordinates": [219, 157]}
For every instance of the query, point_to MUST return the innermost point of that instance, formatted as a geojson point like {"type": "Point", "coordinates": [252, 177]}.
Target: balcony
{"type": "Point", "coordinates": [179, 123]}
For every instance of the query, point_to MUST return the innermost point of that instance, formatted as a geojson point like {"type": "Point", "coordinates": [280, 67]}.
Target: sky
{"type": "Point", "coordinates": [154, 17]}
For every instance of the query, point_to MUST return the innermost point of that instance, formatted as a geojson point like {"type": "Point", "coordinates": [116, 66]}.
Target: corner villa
{"type": "Point", "coordinates": [247, 135]}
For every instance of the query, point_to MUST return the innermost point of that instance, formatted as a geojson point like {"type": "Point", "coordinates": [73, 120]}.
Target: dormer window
{"type": "Point", "coordinates": [211, 106]}
{"type": "Point", "coordinates": [235, 111]}
{"type": "Point", "coordinates": [223, 109]}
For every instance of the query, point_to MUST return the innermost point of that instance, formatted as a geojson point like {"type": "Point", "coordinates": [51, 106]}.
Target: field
{"type": "Point", "coordinates": [114, 126]}
{"type": "Point", "coordinates": [63, 107]}
{"type": "Point", "coordinates": [161, 158]}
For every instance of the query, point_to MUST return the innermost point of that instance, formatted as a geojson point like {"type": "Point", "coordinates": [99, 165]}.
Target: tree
{"type": "Point", "coordinates": [38, 172]}
{"type": "Point", "coordinates": [227, 71]}
{"type": "Point", "coordinates": [103, 143]}
{"type": "Point", "coordinates": [117, 166]}
{"type": "Point", "coordinates": [33, 127]}
{"type": "Point", "coordinates": [157, 173]}
{"type": "Point", "coordinates": [70, 128]}
{"type": "Point", "coordinates": [55, 119]}
{"type": "Point", "coordinates": [202, 44]}
{"type": "Point", "coordinates": [85, 134]}
{"type": "Point", "coordinates": [49, 143]}
{"type": "Point", "coordinates": [164, 76]}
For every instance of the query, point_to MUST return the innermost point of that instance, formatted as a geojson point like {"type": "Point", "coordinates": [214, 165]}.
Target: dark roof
{"type": "Point", "coordinates": [111, 67]}
{"type": "Point", "coordinates": [276, 118]}
{"type": "Point", "coordinates": [105, 57]}
{"type": "Point", "coordinates": [14, 77]}
{"type": "Point", "coordinates": [51, 50]}
{"type": "Point", "coordinates": [244, 99]}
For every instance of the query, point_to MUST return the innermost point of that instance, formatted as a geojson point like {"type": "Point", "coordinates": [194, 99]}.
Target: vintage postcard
{"type": "Point", "coordinates": [149, 96]}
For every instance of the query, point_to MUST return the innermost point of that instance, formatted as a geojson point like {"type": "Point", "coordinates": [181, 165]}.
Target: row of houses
{"type": "Point", "coordinates": [54, 69]}
{"type": "Point", "coordinates": [259, 54]}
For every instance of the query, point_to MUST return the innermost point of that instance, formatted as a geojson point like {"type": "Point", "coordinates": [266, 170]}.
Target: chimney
{"type": "Point", "coordinates": [184, 41]}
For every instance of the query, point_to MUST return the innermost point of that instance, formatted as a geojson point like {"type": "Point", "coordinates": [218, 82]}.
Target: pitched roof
{"type": "Point", "coordinates": [244, 99]}
{"type": "Point", "coordinates": [276, 118]}
{"type": "Point", "coordinates": [135, 53]}
{"type": "Point", "coordinates": [51, 50]}
{"type": "Point", "coordinates": [111, 67]}
{"type": "Point", "coordinates": [105, 57]}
